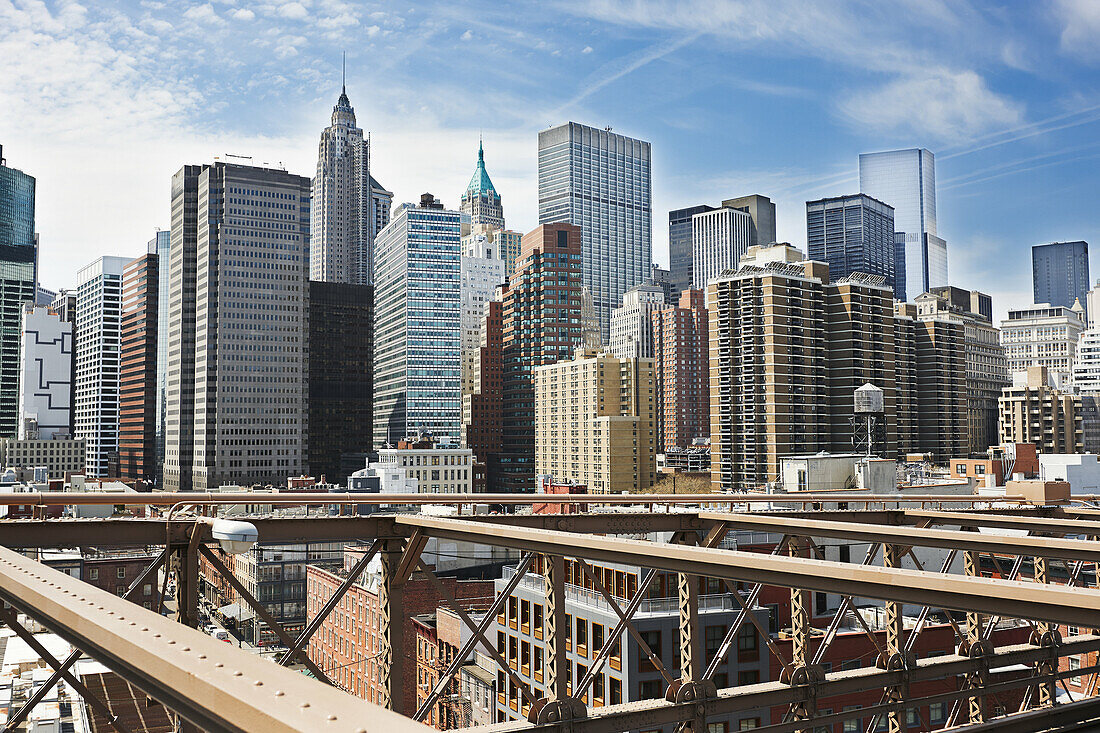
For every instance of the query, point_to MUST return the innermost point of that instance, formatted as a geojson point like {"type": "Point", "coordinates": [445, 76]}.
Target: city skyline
{"type": "Point", "coordinates": [991, 112]}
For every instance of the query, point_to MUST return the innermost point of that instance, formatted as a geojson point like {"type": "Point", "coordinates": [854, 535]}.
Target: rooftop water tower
{"type": "Point", "coordinates": [869, 407]}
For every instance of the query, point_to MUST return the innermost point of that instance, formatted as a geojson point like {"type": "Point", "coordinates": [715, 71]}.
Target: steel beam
{"type": "Point", "coordinates": [211, 684]}
{"type": "Point", "coordinates": [1014, 599]}
{"type": "Point", "coordinates": [1049, 547]}
{"type": "Point", "coordinates": [1053, 524]}
{"type": "Point", "coordinates": [391, 624]}
{"type": "Point", "coordinates": [650, 714]}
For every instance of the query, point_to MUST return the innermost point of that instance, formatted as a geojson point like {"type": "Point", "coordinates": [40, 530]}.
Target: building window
{"type": "Point", "coordinates": [1075, 665]}
{"type": "Point", "coordinates": [121, 572]}
{"type": "Point", "coordinates": [960, 468]}
{"type": "Point", "coordinates": [93, 574]}
{"type": "Point", "coordinates": [649, 690]}
{"type": "Point", "coordinates": [614, 691]}
{"type": "Point", "coordinates": [748, 677]}
{"type": "Point", "coordinates": [713, 636]}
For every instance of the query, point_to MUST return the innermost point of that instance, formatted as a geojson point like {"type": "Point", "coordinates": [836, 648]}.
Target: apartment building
{"type": "Point", "coordinates": [1043, 335]}
{"type": "Point", "coordinates": [682, 372]}
{"type": "Point", "coordinates": [137, 436]}
{"type": "Point", "coordinates": [632, 322]}
{"type": "Point", "coordinates": [1034, 411]}
{"type": "Point", "coordinates": [595, 422]}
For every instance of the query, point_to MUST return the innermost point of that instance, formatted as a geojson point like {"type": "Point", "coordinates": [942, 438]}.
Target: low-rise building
{"type": "Point", "coordinates": [61, 456]}
{"type": "Point", "coordinates": [440, 466]}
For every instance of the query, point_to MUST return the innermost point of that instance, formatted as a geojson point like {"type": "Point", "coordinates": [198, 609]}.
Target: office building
{"type": "Point", "coordinates": [98, 350]}
{"type": "Point", "coordinates": [18, 278]}
{"type": "Point", "coordinates": [595, 422]}
{"type": "Point", "coordinates": [137, 424]}
{"type": "Point", "coordinates": [761, 213]}
{"type": "Point", "coordinates": [1060, 273]}
{"type": "Point", "coordinates": [1086, 362]}
{"type": "Point", "coordinates": [237, 377]}
{"type": "Point", "coordinates": [45, 379]}
{"type": "Point", "coordinates": [482, 272]}
{"type": "Point", "coordinates": [632, 322]}
{"type": "Point", "coordinates": [480, 199]}
{"type": "Point", "coordinates": [719, 238]}
{"type": "Point", "coordinates": [851, 234]}
{"type": "Point", "coordinates": [1043, 335]}
{"type": "Point", "coordinates": [179, 390]}
{"type": "Point", "coordinates": [417, 324]}
{"type": "Point", "coordinates": [600, 181]}
{"type": "Point", "coordinates": [1033, 410]}
{"type": "Point", "coordinates": [682, 373]}
{"type": "Point", "coordinates": [543, 321]}
{"type": "Point", "coordinates": [906, 180]}
{"type": "Point", "coordinates": [522, 636]}
{"type": "Point", "coordinates": [341, 391]}
{"type": "Point", "coordinates": [348, 206]}
{"type": "Point", "coordinates": [986, 366]}
{"type": "Point", "coordinates": [43, 296]}
{"type": "Point", "coordinates": [161, 243]}
{"type": "Point", "coordinates": [681, 257]}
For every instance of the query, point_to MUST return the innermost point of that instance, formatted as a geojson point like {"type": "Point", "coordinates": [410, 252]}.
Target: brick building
{"type": "Point", "coordinates": [682, 372]}
{"type": "Point", "coordinates": [347, 644]}
{"type": "Point", "coordinates": [114, 571]}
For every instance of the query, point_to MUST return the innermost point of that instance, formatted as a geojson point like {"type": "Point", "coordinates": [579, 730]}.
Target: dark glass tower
{"type": "Point", "coordinates": [1060, 273]}
{"type": "Point", "coordinates": [18, 274]}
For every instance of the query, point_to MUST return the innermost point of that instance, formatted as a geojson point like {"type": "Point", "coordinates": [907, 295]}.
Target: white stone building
{"type": "Point", "coordinates": [1043, 335]}
{"type": "Point", "coordinates": [482, 272]}
{"type": "Point", "coordinates": [719, 238]}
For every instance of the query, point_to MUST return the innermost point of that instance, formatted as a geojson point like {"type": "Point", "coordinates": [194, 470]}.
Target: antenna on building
{"type": "Point", "coordinates": [344, 71]}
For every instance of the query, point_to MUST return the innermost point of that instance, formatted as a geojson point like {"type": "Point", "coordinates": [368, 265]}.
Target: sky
{"type": "Point", "coordinates": [103, 101]}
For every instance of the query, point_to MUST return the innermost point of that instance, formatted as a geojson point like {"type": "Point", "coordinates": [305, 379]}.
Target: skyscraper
{"type": "Point", "coordinates": [96, 382]}
{"type": "Point", "coordinates": [852, 234]}
{"type": "Point", "coordinates": [417, 324]}
{"type": "Point", "coordinates": [243, 237]}
{"type": "Point", "coordinates": [480, 199]}
{"type": "Point", "coordinates": [64, 305]}
{"type": "Point", "coordinates": [18, 276]}
{"type": "Point", "coordinates": [719, 238]}
{"type": "Point", "coordinates": [348, 207]}
{"type": "Point", "coordinates": [906, 180]}
{"type": "Point", "coordinates": [137, 433]}
{"type": "Point", "coordinates": [600, 181]}
{"type": "Point", "coordinates": [482, 274]}
{"type": "Point", "coordinates": [543, 322]}
{"type": "Point", "coordinates": [162, 245]}
{"type": "Point", "coordinates": [761, 213]}
{"type": "Point", "coordinates": [45, 382]}
{"type": "Point", "coordinates": [341, 390]}
{"type": "Point", "coordinates": [1060, 273]}
{"type": "Point", "coordinates": [680, 255]}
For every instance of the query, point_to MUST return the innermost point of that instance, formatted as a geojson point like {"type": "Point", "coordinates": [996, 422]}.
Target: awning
{"type": "Point", "coordinates": [234, 611]}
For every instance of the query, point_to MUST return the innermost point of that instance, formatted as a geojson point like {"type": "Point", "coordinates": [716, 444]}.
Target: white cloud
{"type": "Point", "coordinates": [586, 49]}
{"type": "Point", "coordinates": [243, 14]}
{"type": "Point", "coordinates": [372, 31]}
{"type": "Point", "coordinates": [467, 36]}
{"type": "Point", "coordinates": [939, 103]}
{"type": "Point", "coordinates": [294, 11]}
{"type": "Point", "coordinates": [203, 14]}
{"type": "Point", "coordinates": [1081, 28]}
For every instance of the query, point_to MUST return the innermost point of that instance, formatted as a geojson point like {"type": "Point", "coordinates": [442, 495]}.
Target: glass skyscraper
{"type": "Point", "coordinates": [18, 260]}
{"type": "Point", "coordinates": [161, 244]}
{"type": "Point", "coordinates": [1060, 273]}
{"type": "Point", "coordinates": [417, 324]}
{"type": "Point", "coordinates": [852, 234]}
{"type": "Point", "coordinates": [906, 180]}
{"type": "Point", "coordinates": [600, 181]}
{"type": "Point", "coordinates": [680, 259]}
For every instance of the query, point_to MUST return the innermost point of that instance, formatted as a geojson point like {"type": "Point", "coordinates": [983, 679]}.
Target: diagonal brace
{"type": "Point", "coordinates": [260, 610]}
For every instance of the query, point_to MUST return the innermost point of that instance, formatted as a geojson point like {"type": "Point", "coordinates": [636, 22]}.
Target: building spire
{"type": "Point", "coordinates": [344, 72]}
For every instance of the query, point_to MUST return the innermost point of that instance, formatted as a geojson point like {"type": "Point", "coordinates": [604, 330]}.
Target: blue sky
{"type": "Point", "coordinates": [103, 101]}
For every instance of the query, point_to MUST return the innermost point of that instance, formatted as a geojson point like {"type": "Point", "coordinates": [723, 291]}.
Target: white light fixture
{"type": "Point", "coordinates": [234, 537]}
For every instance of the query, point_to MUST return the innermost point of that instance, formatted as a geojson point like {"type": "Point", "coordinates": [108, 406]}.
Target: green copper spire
{"type": "Point", "coordinates": [480, 183]}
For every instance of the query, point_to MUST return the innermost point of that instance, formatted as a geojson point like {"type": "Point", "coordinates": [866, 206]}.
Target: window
{"type": "Point", "coordinates": [721, 727]}
{"type": "Point", "coordinates": [653, 640]}
{"type": "Point", "coordinates": [937, 712]}
{"type": "Point", "coordinates": [748, 677]}
{"type": "Point", "coordinates": [712, 640]}
{"type": "Point", "coordinates": [1075, 665]}
{"type": "Point", "coordinates": [853, 725]}
{"type": "Point", "coordinates": [747, 647]}
{"type": "Point", "coordinates": [615, 691]}
{"type": "Point", "coordinates": [120, 573]}
{"type": "Point", "coordinates": [960, 468]}
{"type": "Point", "coordinates": [649, 690]}
{"type": "Point", "coordinates": [147, 589]}
{"type": "Point", "coordinates": [93, 574]}
{"type": "Point", "coordinates": [582, 636]}
{"type": "Point", "coordinates": [597, 637]}
{"type": "Point", "coordinates": [748, 723]}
